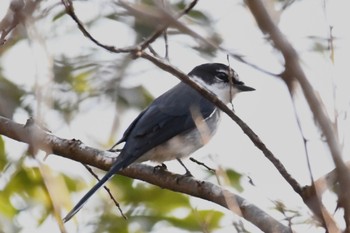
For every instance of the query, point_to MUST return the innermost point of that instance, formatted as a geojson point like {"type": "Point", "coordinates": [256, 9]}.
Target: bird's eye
{"type": "Point", "coordinates": [222, 76]}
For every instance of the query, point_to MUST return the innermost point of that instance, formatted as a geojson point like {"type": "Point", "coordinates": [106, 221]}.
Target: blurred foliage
{"type": "Point", "coordinates": [153, 209]}
{"type": "Point", "coordinates": [146, 19]}
{"type": "Point", "coordinates": [10, 97]}
{"type": "Point", "coordinates": [78, 80]}
{"type": "Point", "coordinates": [23, 191]}
{"type": "Point", "coordinates": [87, 77]}
{"type": "Point", "coordinates": [234, 179]}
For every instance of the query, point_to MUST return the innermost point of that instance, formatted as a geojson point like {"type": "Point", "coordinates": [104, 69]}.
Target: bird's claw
{"type": "Point", "coordinates": [160, 167]}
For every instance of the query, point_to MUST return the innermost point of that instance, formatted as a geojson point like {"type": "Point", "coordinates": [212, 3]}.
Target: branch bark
{"type": "Point", "coordinates": [75, 150]}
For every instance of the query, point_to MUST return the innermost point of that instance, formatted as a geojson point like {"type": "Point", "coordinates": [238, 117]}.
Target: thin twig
{"type": "Point", "coordinates": [215, 100]}
{"type": "Point", "coordinates": [165, 36]}
{"type": "Point", "coordinates": [136, 50]}
{"type": "Point", "coordinates": [107, 190]}
{"type": "Point", "coordinates": [16, 14]}
{"type": "Point", "coordinates": [143, 45]}
{"type": "Point", "coordinates": [311, 195]}
{"type": "Point", "coordinates": [173, 21]}
{"type": "Point", "coordinates": [203, 164]}
{"type": "Point", "coordinates": [70, 11]}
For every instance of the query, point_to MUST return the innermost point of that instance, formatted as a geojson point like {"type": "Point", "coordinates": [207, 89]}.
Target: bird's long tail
{"type": "Point", "coordinates": [114, 169]}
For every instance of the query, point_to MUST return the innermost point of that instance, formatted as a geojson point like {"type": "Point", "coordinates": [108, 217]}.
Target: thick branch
{"type": "Point", "coordinates": [76, 150]}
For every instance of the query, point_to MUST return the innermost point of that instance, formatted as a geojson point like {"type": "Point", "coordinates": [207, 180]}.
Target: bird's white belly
{"type": "Point", "coordinates": [175, 148]}
{"type": "Point", "coordinates": [184, 144]}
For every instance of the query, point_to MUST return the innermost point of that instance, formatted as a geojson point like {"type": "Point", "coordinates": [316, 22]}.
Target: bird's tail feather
{"type": "Point", "coordinates": [115, 168]}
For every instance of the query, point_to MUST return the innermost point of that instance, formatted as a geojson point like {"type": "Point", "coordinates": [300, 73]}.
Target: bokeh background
{"type": "Point", "coordinates": [51, 72]}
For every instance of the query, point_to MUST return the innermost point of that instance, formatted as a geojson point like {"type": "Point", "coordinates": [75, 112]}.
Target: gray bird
{"type": "Point", "coordinates": [168, 128]}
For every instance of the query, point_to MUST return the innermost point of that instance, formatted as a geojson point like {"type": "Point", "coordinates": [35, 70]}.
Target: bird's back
{"type": "Point", "coordinates": [168, 116]}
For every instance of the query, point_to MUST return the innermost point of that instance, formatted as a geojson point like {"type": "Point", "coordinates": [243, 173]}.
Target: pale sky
{"type": "Point", "coordinates": [268, 111]}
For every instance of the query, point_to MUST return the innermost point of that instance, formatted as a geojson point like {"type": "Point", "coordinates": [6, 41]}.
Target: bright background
{"type": "Point", "coordinates": [268, 110]}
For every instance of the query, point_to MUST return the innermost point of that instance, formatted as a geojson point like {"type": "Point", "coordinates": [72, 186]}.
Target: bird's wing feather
{"type": "Point", "coordinates": [129, 129]}
{"type": "Point", "coordinates": [168, 116]}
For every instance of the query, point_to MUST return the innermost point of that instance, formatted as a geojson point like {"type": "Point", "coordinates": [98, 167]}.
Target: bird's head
{"type": "Point", "coordinates": [220, 79]}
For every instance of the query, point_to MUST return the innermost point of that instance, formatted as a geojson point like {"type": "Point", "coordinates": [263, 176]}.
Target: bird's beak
{"type": "Point", "coordinates": [243, 87]}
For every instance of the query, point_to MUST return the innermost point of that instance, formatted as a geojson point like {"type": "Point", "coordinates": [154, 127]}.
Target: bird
{"type": "Point", "coordinates": [168, 128]}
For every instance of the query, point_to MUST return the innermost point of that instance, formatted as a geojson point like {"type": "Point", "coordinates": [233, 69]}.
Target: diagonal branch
{"type": "Point", "coordinates": [70, 11]}
{"type": "Point", "coordinates": [222, 106]}
{"type": "Point", "coordinates": [145, 44]}
{"type": "Point", "coordinates": [295, 71]}
{"type": "Point", "coordinates": [170, 20]}
{"type": "Point", "coordinates": [74, 149]}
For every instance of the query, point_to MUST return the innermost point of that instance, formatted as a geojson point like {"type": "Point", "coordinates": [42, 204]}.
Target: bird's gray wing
{"type": "Point", "coordinates": [168, 116]}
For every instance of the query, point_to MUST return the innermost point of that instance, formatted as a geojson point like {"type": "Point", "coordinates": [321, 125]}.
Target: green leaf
{"type": "Point", "coordinates": [198, 15]}
{"type": "Point", "coordinates": [10, 96]}
{"type": "Point", "coordinates": [206, 50]}
{"type": "Point", "coordinates": [6, 208]}
{"type": "Point", "coordinates": [194, 14]}
{"type": "Point", "coordinates": [62, 71]}
{"type": "Point", "coordinates": [26, 185]}
{"type": "Point", "coordinates": [320, 47]}
{"type": "Point", "coordinates": [234, 178]}
{"type": "Point", "coordinates": [59, 15]}
{"type": "Point", "coordinates": [72, 184]}
{"type": "Point", "coordinates": [198, 220]}
{"type": "Point", "coordinates": [108, 222]}
{"type": "Point", "coordinates": [147, 218]}
{"type": "Point", "coordinates": [113, 16]}
{"type": "Point", "coordinates": [153, 206]}
{"type": "Point", "coordinates": [157, 199]}
{"type": "Point", "coordinates": [80, 82]}
{"type": "Point", "coordinates": [137, 96]}
{"type": "Point", "coordinates": [152, 197]}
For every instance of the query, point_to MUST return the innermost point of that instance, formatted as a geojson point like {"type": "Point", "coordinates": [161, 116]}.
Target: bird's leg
{"type": "Point", "coordinates": [162, 166]}
{"type": "Point", "coordinates": [114, 150]}
{"type": "Point", "coordinates": [188, 173]}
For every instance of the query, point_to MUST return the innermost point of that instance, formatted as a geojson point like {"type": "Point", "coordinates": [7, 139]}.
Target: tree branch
{"type": "Point", "coordinates": [296, 73]}
{"type": "Point", "coordinates": [74, 149]}
{"type": "Point", "coordinates": [70, 11]}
